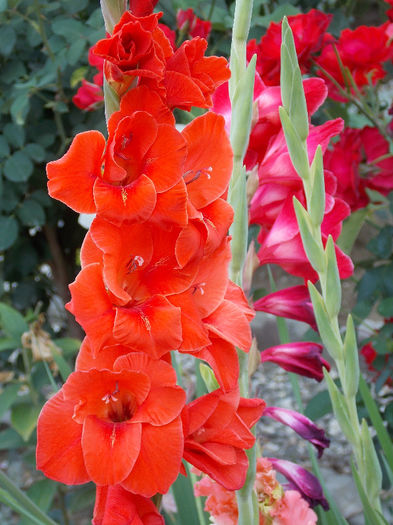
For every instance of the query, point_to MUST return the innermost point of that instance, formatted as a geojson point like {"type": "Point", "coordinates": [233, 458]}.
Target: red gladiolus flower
{"type": "Point", "coordinates": [291, 303]}
{"type": "Point", "coordinates": [191, 78]}
{"type": "Point", "coordinates": [137, 48]}
{"type": "Point", "coordinates": [216, 430]}
{"type": "Point", "coordinates": [104, 426]}
{"type": "Point", "coordinates": [362, 51]}
{"type": "Point", "coordinates": [142, 7]}
{"type": "Point", "coordinates": [356, 147]}
{"type": "Point", "coordinates": [308, 31]}
{"type": "Point", "coordinates": [301, 358]}
{"type": "Point", "coordinates": [116, 506]}
{"type": "Point", "coordinates": [144, 156]}
{"type": "Point", "coordinates": [187, 21]}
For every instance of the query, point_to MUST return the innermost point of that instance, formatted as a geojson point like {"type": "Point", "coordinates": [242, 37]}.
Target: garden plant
{"type": "Point", "coordinates": [174, 176]}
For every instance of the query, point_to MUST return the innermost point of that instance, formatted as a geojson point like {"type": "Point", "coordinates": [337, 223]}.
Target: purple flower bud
{"type": "Point", "coordinates": [302, 481]}
{"type": "Point", "coordinates": [292, 303]}
{"type": "Point", "coordinates": [303, 358]}
{"type": "Point", "coordinates": [300, 424]}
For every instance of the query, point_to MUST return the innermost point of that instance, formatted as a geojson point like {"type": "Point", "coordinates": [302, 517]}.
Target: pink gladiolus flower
{"type": "Point", "coordinates": [88, 96]}
{"type": "Point", "coordinates": [291, 303]}
{"type": "Point", "coordinates": [301, 424]}
{"type": "Point", "coordinates": [302, 481]}
{"type": "Point", "coordinates": [303, 358]}
{"type": "Point", "coordinates": [293, 509]}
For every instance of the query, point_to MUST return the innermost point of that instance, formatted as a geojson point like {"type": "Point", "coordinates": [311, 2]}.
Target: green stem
{"type": "Point", "coordinates": [24, 500]}
{"type": "Point", "coordinates": [382, 433]}
{"type": "Point", "coordinates": [240, 91]}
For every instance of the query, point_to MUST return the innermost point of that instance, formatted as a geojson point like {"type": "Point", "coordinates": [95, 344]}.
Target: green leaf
{"type": "Point", "coordinates": [8, 396]}
{"type": "Point", "coordinates": [208, 377]}
{"type": "Point", "coordinates": [313, 249]}
{"type": "Point", "coordinates": [382, 245]}
{"type": "Point", "coordinates": [9, 439]}
{"type": "Point", "coordinates": [9, 232]}
{"type": "Point", "coordinates": [8, 40]}
{"type": "Point", "coordinates": [333, 283]}
{"type": "Point", "coordinates": [3, 5]}
{"type": "Point", "coordinates": [317, 200]}
{"type": "Point", "coordinates": [183, 493]}
{"type": "Point", "coordinates": [385, 307]}
{"type": "Point", "coordinates": [242, 112]}
{"type": "Point", "coordinates": [319, 406]}
{"type": "Point", "coordinates": [31, 213]}
{"type": "Point", "coordinates": [69, 345]}
{"type": "Point", "coordinates": [12, 322]}
{"type": "Point", "coordinates": [373, 472]}
{"type": "Point", "coordinates": [24, 419]}
{"type": "Point", "coordinates": [296, 147]}
{"type": "Point", "coordinates": [4, 147]}
{"type": "Point", "coordinates": [35, 152]}
{"type": "Point", "coordinates": [351, 229]}
{"type": "Point", "coordinates": [78, 75]}
{"type": "Point", "coordinates": [8, 344]}
{"type": "Point", "coordinates": [371, 515]}
{"type": "Point", "coordinates": [64, 367]}
{"type": "Point", "coordinates": [15, 134]}
{"type": "Point", "coordinates": [339, 408]}
{"type": "Point", "coordinates": [351, 358]}
{"type": "Point", "coordinates": [18, 167]}
{"type": "Point", "coordinates": [20, 108]}
{"type": "Point", "coordinates": [42, 493]}
{"type": "Point", "coordinates": [75, 51]}
{"type": "Point", "coordinates": [8, 500]}
{"type": "Point", "coordinates": [292, 92]}
{"type": "Point", "coordinates": [329, 337]}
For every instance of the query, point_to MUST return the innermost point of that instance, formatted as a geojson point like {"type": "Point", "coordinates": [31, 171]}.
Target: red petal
{"type": "Point", "coordinates": [159, 372]}
{"type": "Point", "coordinates": [91, 305]}
{"type": "Point", "coordinates": [134, 202]}
{"type": "Point", "coordinates": [110, 449]}
{"type": "Point", "coordinates": [72, 177]}
{"type": "Point", "coordinates": [165, 159]}
{"type": "Point", "coordinates": [117, 506]}
{"type": "Point", "coordinates": [228, 322]}
{"type": "Point", "coordinates": [90, 253]}
{"type": "Point", "coordinates": [171, 206]}
{"type": "Point", "coordinates": [105, 358]}
{"type": "Point", "coordinates": [59, 450]}
{"type": "Point", "coordinates": [159, 460]}
{"type": "Point", "coordinates": [161, 406]}
{"type": "Point", "coordinates": [232, 477]}
{"type": "Point", "coordinates": [223, 359]}
{"type": "Point", "coordinates": [153, 326]}
{"type": "Point", "coordinates": [208, 147]}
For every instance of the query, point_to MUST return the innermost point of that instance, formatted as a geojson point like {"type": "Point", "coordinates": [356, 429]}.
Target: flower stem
{"type": "Point", "coordinates": [241, 87]}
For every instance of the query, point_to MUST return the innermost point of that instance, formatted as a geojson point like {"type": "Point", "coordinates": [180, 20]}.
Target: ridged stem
{"type": "Point", "coordinates": [241, 86]}
{"type": "Point", "coordinates": [327, 303]}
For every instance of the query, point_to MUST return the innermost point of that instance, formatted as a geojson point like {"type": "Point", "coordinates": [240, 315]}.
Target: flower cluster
{"type": "Point", "coordinates": [276, 507]}
{"type": "Point", "coordinates": [154, 279]}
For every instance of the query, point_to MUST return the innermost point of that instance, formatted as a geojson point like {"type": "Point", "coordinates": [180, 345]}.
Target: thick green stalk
{"type": "Point", "coordinates": [241, 86]}
{"type": "Point", "coordinates": [327, 304]}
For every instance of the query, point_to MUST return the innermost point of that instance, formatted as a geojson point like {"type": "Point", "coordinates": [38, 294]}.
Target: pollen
{"type": "Point", "coordinates": [124, 195]}
{"type": "Point", "coordinates": [146, 322]}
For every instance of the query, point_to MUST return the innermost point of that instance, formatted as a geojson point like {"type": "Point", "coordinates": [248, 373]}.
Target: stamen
{"type": "Point", "coordinates": [198, 173]}
{"type": "Point", "coordinates": [134, 262]}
